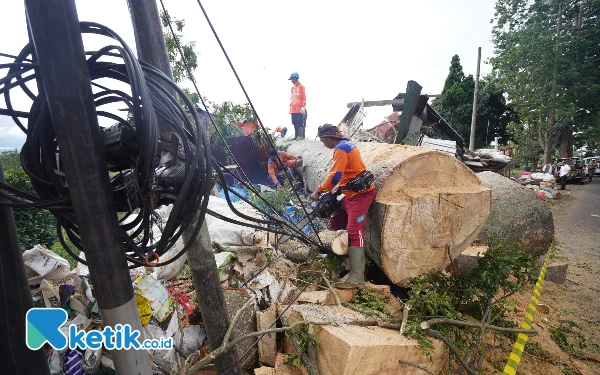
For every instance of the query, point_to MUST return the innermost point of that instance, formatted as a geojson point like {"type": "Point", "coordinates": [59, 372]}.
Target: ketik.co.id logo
{"type": "Point", "coordinates": [43, 326]}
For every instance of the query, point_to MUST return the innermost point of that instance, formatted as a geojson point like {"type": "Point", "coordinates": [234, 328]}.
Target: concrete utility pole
{"type": "Point", "coordinates": [64, 72]}
{"type": "Point", "coordinates": [151, 49]}
{"type": "Point", "coordinates": [15, 294]}
{"type": "Point", "coordinates": [475, 96]}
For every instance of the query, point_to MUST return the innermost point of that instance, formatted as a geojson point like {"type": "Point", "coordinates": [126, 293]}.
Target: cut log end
{"type": "Point", "coordinates": [426, 201]}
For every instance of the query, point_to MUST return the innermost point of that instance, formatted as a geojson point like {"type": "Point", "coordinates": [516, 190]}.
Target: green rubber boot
{"type": "Point", "coordinates": [357, 269]}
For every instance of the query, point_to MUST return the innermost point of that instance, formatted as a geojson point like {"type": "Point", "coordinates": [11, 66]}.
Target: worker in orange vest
{"type": "Point", "coordinates": [298, 106]}
{"type": "Point", "coordinates": [276, 169]}
{"type": "Point", "coordinates": [246, 127]}
{"type": "Point", "coordinates": [282, 130]}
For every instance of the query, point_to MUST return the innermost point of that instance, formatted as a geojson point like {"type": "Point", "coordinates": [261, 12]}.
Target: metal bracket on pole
{"type": "Point", "coordinates": [64, 71]}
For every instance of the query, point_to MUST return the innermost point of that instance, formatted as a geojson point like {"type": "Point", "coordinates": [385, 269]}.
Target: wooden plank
{"type": "Point", "coordinates": [354, 350]}
{"type": "Point", "coordinates": [267, 346]}
{"type": "Point", "coordinates": [264, 371]}
{"type": "Point", "coordinates": [378, 103]}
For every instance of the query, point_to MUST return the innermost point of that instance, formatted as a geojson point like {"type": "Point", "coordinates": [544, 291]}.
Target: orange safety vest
{"type": "Point", "coordinates": [247, 126]}
{"type": "Point", "coordinates": [298, 98]}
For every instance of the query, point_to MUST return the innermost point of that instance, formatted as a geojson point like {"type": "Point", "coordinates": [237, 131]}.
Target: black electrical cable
{"type": "Point", "coordinates": [148, 100]}
{"type": "Point", "coordinates": [272, 145]}
{"type": "Point", "coordinates": [295, 231]}
{"type": "Point", "coordinates": [269, 205]}
{"type": "Point", "coordinates": [250, 102]}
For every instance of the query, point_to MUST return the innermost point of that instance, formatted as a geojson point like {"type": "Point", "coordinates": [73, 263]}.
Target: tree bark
{"type": "Point", "coordinates": [426, 200]}
{"type": "Point", "coordinates": [552, 110]}
{"type": "Point", "coordinates": [518, 216]}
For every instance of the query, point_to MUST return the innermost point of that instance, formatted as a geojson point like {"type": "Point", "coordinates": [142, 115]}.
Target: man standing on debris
{"type": "Point", "coordinates": [548, 168]}
{"type": "Point", "coordinates": [356, 183]}
{"type": "Point", "coordinates": [564, 171]}
{"type": "Point", "coordinates": [298, 106]}
{"type": "Point", "coordinates": [276, 169]}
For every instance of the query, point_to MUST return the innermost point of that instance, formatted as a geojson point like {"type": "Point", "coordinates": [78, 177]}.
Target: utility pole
{"type": "Point", "coordinates": [151, 49]}
{"type": "Point", "coordinates": [15, 294]}
{"type": "Point", "coordinates": [475, 96]}
{"type": "Point", "coordinates": [67, 86]}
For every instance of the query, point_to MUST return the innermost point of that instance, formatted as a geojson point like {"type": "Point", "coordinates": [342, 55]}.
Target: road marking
{"type": "Point", "coordinates": [595, 215]}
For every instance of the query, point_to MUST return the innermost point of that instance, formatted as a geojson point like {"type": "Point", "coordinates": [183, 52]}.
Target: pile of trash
{"type": "Point", "coordinates": [543, 184]}
{"type": "Point", "coordinates": [165, 296]}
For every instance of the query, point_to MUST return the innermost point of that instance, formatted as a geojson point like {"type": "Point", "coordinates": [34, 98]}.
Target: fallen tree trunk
{"type": "Point", "coordinates": [518, 215]}
{"type": "Point", "coordinates": [426, 201]}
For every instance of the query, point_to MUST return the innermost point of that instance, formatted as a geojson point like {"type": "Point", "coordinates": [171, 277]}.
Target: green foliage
{"type": "Point", "coordinates": [455, 104]}
{"type": "Point", "coordinates": [569, 340]}
{"type": "Point", "coordinates": [369, 300]}
{"type": "Point", "coordinates": [191, 57]}
{"type": "Point", "coordinates": [278, 198]}
{"type": "Point", "coordinates": [225, 115]}
{"type": "Point", "coordinates": [11, 160]}
{"type": "Point", "coordinates": [268, 254]}
{"type": "Point", "coordinates": [534, 348]}
{"type": "Point", "coordinates": [59, 250]}
{"type": "Point", "coordinates": [502, 271]}
{"type": "Point", "coordinates": [301, 338]}
{"type": "Point", "coordinates": [547, 60]}
{"type": "Point", "coordinates": [34, 225]}
{"type": "Point", "coordinates": [413, 331]}
{"type": "Point", "coordinates": [332, 264]}
{"type": "Point", "coordinates": [293, 359]}
{"type": "Point", "coordinates": [432, 294]}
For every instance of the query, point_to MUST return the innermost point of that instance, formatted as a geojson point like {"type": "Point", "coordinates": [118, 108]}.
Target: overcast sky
{"type": "Point", "coordinates": [344, 51]}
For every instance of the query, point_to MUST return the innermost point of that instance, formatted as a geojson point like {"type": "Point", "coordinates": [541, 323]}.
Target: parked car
{"type": "Point", "coordinates": [577, 174]}
{"type": "Point", "coordinates": [587, 160]}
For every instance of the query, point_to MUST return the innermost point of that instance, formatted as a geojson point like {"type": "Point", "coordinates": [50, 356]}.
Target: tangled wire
{"type": "Point", "coordinates": [134, 184]}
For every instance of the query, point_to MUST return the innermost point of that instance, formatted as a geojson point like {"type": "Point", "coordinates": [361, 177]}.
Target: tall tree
{"type": "Point", "coordinates": [171, 41]}
{"type": "Point", "coordinates": [455, 104]}
{"type": "Point", "coordinates": [547, 60]}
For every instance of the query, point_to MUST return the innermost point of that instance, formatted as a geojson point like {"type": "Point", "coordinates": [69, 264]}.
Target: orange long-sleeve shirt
{"type": "Point", "coordinates": [273, 168]}
{"type": "Point", "coordinates": [347, 164]}
{"type": "Point", "coordinates": [298, 98]}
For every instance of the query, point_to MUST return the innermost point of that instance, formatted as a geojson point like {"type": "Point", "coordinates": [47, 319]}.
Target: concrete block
{"type": "Point", "coordinates": [234, 300]}
{"type": "Point", "coordinates": [467, 260]}
{"type": "Point", "coordinates": [557, 273]}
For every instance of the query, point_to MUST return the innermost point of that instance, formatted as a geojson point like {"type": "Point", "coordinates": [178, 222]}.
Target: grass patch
{"type": "Point", "coordinates": [569, 340]}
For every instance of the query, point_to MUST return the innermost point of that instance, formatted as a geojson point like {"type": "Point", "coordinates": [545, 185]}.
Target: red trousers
{"type": "Point", "coordinates": [352, 216]}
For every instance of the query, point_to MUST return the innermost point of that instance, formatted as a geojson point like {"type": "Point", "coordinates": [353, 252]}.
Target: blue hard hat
{"type": "Point", "coordinates": [294, 75]}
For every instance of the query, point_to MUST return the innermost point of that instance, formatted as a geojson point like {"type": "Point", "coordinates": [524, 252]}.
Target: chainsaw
{"type": "Point", "coordinates": [327, 204]}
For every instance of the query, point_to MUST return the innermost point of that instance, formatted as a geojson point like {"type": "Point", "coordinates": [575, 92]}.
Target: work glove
{"type": "Point", "coordinates": [303, 110]}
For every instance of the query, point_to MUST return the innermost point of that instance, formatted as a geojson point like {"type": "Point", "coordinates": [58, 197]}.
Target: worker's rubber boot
{"type": "Point", "coordinates": [357, 269]}
{"type": "Point", "coordinates": [301, 129]}
{"type": "Point", "coordinates": [296, 133]}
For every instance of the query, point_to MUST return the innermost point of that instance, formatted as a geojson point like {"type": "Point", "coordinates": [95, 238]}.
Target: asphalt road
{"type": "Point", "coordinates": [577, 220]}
